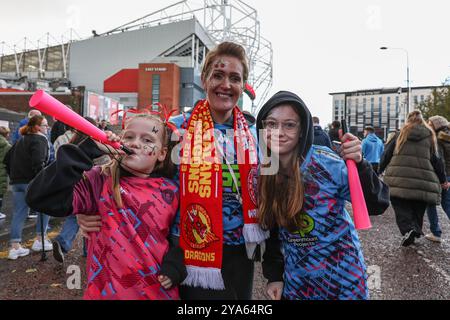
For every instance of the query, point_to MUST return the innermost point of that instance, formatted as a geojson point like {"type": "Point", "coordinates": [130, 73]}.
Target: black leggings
{"type": "Point", "coordinates": [237, 273]}
{"type": "Point", "coordinates": [409, 215]}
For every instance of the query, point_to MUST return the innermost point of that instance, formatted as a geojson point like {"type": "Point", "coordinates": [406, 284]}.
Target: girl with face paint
{"type": "Point", "coordinates": [137, 203]}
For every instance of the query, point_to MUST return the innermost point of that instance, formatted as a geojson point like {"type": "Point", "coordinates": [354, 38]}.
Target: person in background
{"type": "Point", "coordinates": [372, 147]}
{"type": "Point", "coordinates": [16, 135]}
{"type": "Point", "coordinates": [321, 138]}
{"type": "Point", "coordinates": [4, 148]}
{"type": "Point", "coordinates": [414, 174]}
{"type": "Point", "coordinates": [390, 136]}
{"type": "Point", "coordinates": [104, 125]}
{"type": "Point", "coordinates": [58, 128]}
{"type": "Point", "coordinates": [334, 131]}
{"type": "Point", "coordinates": [334, 136]}
{"type": "Point", "coordinates": [440, 127]}
{"type": "Point", "coordinates": [62, 243]}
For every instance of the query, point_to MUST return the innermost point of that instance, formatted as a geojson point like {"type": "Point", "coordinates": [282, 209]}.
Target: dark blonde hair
{"type": "Point", "coordinates": [230, 49]}
{"type": "Point", "coordinates": [281, 197]}
{"type": "Point", "coordinates": [164, 168]}
{"type": "Point", "coordinates": [30, 127]}
{"type": "Point", "coordinates": [414, 119]}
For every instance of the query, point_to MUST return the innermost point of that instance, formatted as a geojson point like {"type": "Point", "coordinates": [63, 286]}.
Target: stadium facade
{"type": "Point", "coordinates": [156, 58]}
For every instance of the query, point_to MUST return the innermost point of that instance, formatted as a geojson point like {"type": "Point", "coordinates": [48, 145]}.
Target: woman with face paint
{"type": "Point", "coordinates": [217, 226]}
{"type": "Point", "coordinates": [129, 257]}
{"type": "Point", "coordinates": [313, 251]}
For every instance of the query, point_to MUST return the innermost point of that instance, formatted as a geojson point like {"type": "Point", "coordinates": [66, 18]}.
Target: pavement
{"type": "Point", "coordinates": [418, 272]}
{"type": "Point", "coordinates": [29, 226]}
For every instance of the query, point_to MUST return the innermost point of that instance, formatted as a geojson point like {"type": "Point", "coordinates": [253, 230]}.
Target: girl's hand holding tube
{"type": "Point", "coordinates": [351, 148]}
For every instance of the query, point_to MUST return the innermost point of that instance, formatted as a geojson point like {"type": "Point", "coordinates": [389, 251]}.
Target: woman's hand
{"type": "Point", "coordinates": [165, 281]}
{"type": "Point", "coordinates": [274, 290]}
{"type": "Point", "coordinates": [89, 223]}
{"type": "Point", "coordinates": [351, 148]}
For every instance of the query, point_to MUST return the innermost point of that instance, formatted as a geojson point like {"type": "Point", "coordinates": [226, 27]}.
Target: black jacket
{"type": "Point", "coordinates": [321, 138]}
{"type": "Point", "coordinates": [28, 156]}
{"type": "Point", "coordinates": [333, 134]}
{"type": "Point", "coordinates": [376, 193]}
{"type": "Point", "coordinates": [58, 129]}
{"type": "Point", "coordinates": [52, 192]}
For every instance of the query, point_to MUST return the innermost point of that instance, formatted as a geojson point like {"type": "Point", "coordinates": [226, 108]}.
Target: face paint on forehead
{"type": "Point", "coordinates": [221, 63]}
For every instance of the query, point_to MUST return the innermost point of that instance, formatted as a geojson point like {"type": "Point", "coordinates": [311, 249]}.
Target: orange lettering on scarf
{"type": "Point", "coordinates": [200, 256]}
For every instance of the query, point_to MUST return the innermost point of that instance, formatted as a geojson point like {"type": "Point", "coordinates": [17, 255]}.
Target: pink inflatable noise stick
{"type": "Point", "coordinates": [360, 213]}
{"type": "Point", "coordinates": [45, 103]}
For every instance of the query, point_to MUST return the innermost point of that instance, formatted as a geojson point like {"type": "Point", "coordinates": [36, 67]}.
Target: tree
{"type": "Point", "coordinates": [437, 104]}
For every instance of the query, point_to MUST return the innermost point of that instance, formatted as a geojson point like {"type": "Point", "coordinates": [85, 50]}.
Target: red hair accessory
{"type": "Point", "coordinates": [164, 115]}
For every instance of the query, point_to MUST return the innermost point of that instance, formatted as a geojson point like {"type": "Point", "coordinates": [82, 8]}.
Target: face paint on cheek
{"type": "Point", "coordinates": [150, 150]}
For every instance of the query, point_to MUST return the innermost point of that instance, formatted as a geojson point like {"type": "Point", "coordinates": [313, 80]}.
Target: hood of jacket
{"type": "Point", "coordinates": [444, 136]}
{"type": "Point", "coordinates": [318, 130]}
{"type": "Point", "coordinates": [419, 133]}
{"type": "Point", "coordinates": [372, 137]}
{"type": "Point", "coordinates": [306, 124]}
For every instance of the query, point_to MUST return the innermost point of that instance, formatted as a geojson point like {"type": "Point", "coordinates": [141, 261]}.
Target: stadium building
{"type": "Point", "coordinates": [156, 58]}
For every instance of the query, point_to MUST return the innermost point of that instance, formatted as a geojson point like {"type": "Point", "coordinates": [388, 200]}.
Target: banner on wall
{"type": "Point", "coordinates": [100, 107]}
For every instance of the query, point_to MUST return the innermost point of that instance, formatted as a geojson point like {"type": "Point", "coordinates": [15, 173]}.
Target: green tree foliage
{"type": "Point", "coordinates": [437, 104]}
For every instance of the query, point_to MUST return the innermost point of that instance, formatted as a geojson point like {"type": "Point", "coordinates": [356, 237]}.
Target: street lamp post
{"type": "Point", "coordinates": [408, 106]}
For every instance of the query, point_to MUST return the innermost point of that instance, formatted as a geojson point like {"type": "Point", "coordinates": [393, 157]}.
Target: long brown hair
{"type": "Point", "coordinates": [30, 127]}
{"type": "Point", "coordinates": [281, 196]}
{"type": "Point", "coordinates": [164, 168]}
{"type": "Point", "coordinates": [414, 119]}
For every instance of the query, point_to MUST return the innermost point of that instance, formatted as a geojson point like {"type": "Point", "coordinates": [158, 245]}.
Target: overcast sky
{"type": "Point", "coordinates": [320, 46]}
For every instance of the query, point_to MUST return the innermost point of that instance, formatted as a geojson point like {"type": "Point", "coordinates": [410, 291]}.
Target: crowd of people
{"type": "Point", "coordinates": [187, 212]}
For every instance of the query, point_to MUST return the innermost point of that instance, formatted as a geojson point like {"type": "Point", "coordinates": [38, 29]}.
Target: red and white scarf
{"type": "Point", "coordinates": [201, 221]}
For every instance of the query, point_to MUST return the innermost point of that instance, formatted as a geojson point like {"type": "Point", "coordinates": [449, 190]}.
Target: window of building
{"type": "Point", "coordinates": [388, 109]}
{"type": "Point", "coordinates": [397, 106]}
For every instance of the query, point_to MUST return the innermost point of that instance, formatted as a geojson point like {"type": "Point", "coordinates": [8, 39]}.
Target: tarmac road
{"type": "Point", "coordinates": [418, 272]}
